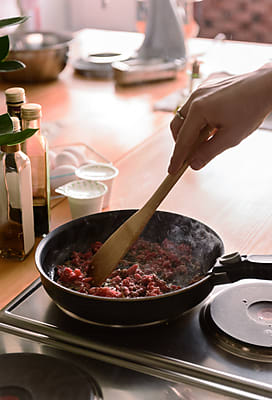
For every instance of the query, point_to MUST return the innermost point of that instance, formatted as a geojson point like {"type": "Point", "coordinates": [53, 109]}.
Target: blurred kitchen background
{"type": "Point", "coordinates": [242, 20]}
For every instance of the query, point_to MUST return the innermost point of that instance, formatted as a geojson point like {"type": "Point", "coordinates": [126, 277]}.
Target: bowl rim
{"type": "Point", "coordinates": [66, 37]}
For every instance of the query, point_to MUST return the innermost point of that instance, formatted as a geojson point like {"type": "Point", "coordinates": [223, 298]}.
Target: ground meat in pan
{"type": "Point", "coordinates": [148, 269]}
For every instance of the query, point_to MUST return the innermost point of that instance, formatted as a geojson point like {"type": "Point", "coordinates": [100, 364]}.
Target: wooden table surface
{"type": "Point", "coordinates": [232, 194]}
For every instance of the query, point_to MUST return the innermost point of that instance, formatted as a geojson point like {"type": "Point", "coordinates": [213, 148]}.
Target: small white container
{"type": "Point", "coordinates": [85, 197]}
{"type": "Point", "coordinates": [62, 174]}
{"type": "Point", "coordinates": [101, 172]}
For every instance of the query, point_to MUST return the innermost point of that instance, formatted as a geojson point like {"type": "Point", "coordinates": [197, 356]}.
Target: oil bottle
{"type": "Point", "coordinates": [16, 208]}
{"type": "Point", "coordinates": [37, 150]}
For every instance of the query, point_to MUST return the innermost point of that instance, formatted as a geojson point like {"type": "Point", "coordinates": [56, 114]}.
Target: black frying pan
{"type": "Point", "coordinates": [207, 246]}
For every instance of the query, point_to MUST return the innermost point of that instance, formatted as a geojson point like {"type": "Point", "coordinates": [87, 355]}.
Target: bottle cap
{"type": "Point", "coordinates": [31, 111]}
{"type": "Point", "coordinates": [15, 95]}
{"type": "Point", "coordinates": [16, 124]}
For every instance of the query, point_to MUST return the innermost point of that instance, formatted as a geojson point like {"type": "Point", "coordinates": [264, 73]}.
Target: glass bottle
{"type": "Point", "coordinates": [16, 208]}
{"type": "Point", "coordinates": [195, 76]}
{"type": "Point", "coordinates": [15, 98]}
{"type": "Point", "coordinates": [37, 150]}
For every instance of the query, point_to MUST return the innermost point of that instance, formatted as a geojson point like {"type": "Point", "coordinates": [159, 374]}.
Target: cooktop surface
{"type": "Point", "coordinates": [189, 358]}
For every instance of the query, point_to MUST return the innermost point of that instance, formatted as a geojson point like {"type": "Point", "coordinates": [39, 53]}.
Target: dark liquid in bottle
{"type": "Point", "coordinates": [41, 220]}
{"type": "Point", "coordinates": [11, 240]}
{"type": "Point", "coordinates": [15, 215]}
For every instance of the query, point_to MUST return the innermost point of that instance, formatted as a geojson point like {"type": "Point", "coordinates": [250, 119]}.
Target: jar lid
{"type": "Point", "coordinates": [15, 95]}
{"type": "Point", "coordinates": [97, 172]}
{"type": "Point", "coordinates": [31, 111]}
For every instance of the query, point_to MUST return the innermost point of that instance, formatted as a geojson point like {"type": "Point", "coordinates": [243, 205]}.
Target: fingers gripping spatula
{"type": "Point", "coordinates": [118, 244]}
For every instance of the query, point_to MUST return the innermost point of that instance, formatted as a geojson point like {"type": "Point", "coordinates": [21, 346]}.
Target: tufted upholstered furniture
{"type": "Point", "coordinates": [243, 20]}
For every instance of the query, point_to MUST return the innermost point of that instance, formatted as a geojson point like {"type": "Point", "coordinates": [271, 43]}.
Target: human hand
{"type": "Point", "coordinates": [232, 108]}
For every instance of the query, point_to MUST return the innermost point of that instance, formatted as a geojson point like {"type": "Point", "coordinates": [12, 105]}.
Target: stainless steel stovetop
{"type": "Point", "coordinates": [182, 359]}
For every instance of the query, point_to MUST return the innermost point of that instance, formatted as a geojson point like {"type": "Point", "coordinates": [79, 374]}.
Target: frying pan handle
{"type": "Point", "coordinates": [233, 267]}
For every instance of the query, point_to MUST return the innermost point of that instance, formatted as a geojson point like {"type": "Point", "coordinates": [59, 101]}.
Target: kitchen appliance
{"type": "Point", "coordinates": [219, 349]}
{"type": "Point", "coordinates": [162, 53]}
{"type": "Point", "coordinates": [43, 351]}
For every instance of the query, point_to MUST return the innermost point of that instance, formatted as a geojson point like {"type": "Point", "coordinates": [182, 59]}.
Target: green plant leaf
{"type": "Point", "coordinates": [6, 125]}
{"type": "Point", "coordinates": [11, 65]}
{"type": "Point", "coordinates": [12, 21]}
{"type": "Point", "coordinates": [17, 137]}
{"type": "Point", "coordinates": [7, 136]}
{"type": "Point", "coordinates": [4, 47]}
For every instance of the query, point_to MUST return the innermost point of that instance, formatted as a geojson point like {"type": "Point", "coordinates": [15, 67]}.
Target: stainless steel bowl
{"type": "Point", "coordinates": [45, 55]}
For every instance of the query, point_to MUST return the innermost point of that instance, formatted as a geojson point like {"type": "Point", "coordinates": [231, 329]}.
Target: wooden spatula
{"type": "Point", "coordinates": [118, 244]}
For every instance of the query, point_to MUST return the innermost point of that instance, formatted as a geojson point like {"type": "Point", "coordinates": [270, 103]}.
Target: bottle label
{"type": "Point", "coordinates": [16, 207]}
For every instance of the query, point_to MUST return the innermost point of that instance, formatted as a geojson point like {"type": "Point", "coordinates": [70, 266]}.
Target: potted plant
{"type": "Point", "coordinates": [7, 136]}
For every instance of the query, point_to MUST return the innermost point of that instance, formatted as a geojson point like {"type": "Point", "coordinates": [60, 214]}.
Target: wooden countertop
{"type": "Point", "coordinates": [232, 194]}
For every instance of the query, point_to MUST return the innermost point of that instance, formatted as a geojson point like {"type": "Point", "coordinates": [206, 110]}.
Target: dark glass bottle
{"type": "Point", "coordinates": [15, 98]}
{"type": "Point", "coordinates": [16, 208]}
{"type": "Point", "coordinates": [36, 149]}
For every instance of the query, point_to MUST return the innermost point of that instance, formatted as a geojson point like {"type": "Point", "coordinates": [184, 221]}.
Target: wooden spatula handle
{"type": "Point", "coordinates": [118, 244]}
{"type": "Point", "coordinates": [170, 180]}
{"type": "Point", "coordinates": [164, 188]}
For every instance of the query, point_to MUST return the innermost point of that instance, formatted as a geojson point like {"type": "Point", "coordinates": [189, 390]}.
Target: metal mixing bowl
{"type": "Point", "coordinates": [45, 55]}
